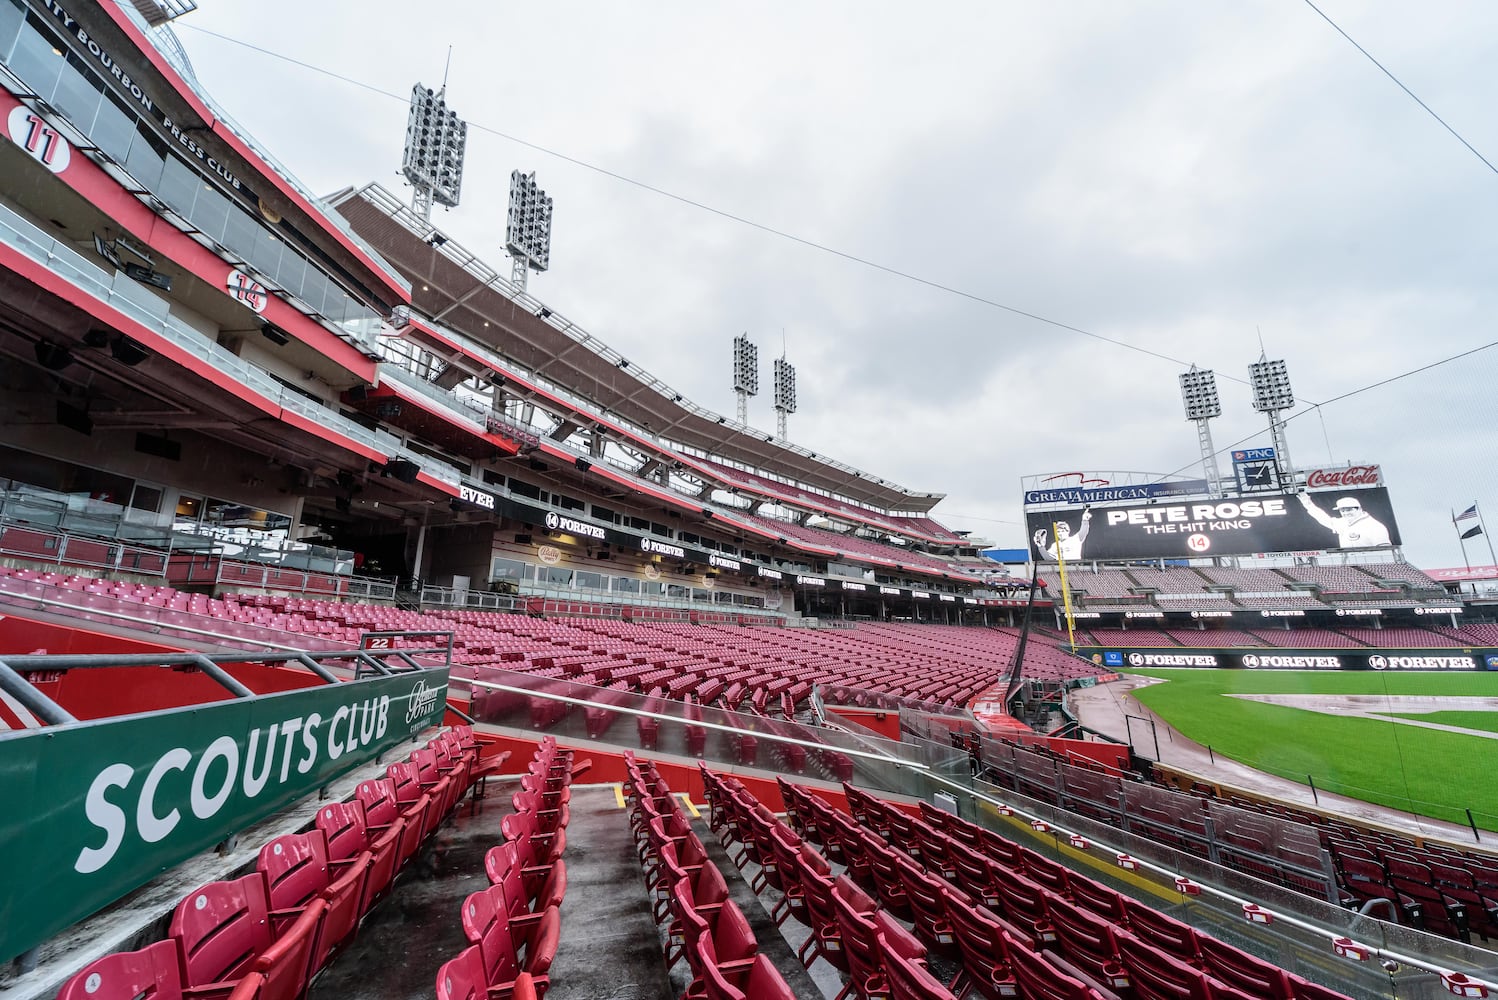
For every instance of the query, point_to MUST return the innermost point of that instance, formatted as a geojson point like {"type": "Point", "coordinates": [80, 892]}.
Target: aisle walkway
{"type": "Point", "coordinates": [608, 946]}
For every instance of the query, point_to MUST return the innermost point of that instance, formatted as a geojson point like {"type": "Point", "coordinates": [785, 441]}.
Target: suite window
{"type": "Point", "coordinates": [12, 15]}
{"type": "Point", "coordinates": [146, 498]}
{"type": "Point", "coordinates": [38, 58]}
{"type": "Point", "coordinates": [78, 94]}
{"type": "Point", "coordinates": [114, 128]}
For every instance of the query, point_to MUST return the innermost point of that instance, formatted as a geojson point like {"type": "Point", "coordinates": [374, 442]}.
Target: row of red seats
{"type": "Point", "coordinates": [266, 934]}
{"type": "Point", "coordinates": [849, 928]}
{"type": "Point", "coordinates": [1442, 890]}
{"type": "Point", "coordinates": [1443, 894]}
{"type": "Point", "coordinates": [707, 928]}
{"type": "Point", "coordinates": [1100, 937]}
{"type": "Point", "coordinates": [514, 926]}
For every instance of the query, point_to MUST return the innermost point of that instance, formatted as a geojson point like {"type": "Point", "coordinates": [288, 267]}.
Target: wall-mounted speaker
{"type": "Point", "coordinates": [158, 447]}
{"type": "Point", "coordinates": [73, 418]}
{"type": "Point", "coordinates": [403, 469]}
{"type": "Point", "coordinates": [53, 357]}
{"type": "Point", "coordinates": [127, 352]}
{"type": "Point", "coordinates": [522, 539]}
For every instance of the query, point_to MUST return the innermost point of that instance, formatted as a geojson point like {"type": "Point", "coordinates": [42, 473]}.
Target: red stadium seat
{"type": "Point", "coordinates": [543, 885]}
{"type": "Point", "coordinates": [1039, 980]}
{"type": "Point", "coordinates": [297, 870]}
{"type": "Point", "coordinates": [342, 824]}
{"type": "Point", "coordinates": [910, 981]}
{"type": "Point", "coordinates": [763, 982]}
{"type": "Point", "coordinates": [224, 932]}
{"type": "Point", "coordinates": [984, 947]}
{"type": "Point", "coordinates": [152, 973]}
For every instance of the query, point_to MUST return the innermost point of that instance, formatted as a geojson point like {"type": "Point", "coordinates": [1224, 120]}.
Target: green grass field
{"type": "Point", "coordinates": [1381, 760]}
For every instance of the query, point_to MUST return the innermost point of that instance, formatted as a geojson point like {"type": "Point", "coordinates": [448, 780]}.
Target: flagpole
{"type": "Point", "coordinates": [1460, 540]}
{"type": "Point", "coordinates": [1491, 560]}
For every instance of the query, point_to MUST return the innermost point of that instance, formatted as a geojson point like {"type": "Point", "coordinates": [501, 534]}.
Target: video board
{"type": "Point", "coordinates": [1266, 522]}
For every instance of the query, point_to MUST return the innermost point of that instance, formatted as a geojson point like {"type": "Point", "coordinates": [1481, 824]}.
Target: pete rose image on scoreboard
{"type": "Point", "coordinates": [1067, 545]}
{"type": "Point", "coordinates": [1274, 522]}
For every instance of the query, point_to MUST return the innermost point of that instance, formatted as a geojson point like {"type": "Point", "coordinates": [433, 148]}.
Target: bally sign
{"type": "Point", "coordinates": [99, 808]}
{"type": "Point", "coordinates": [1355, 518]}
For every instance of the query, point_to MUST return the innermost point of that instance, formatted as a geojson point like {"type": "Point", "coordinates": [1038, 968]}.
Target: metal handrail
{"type": "Point", "coordinates": [759, 734]}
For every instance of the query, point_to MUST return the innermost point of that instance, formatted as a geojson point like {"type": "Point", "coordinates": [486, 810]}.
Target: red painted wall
{"type": "Point", "coordinates": [608, 767]}
{"type": "Point", "coordinates": [1108, 754]}
{"type": "Point", "coordinates": [104, 692]}
{"type": "Point", "coordinates": [886, 724]}
{"type": "Point", "coordinates": [19, 636]}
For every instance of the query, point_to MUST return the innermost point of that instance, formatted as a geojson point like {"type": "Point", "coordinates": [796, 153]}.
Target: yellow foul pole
{"type": "Point", "coordinates": [1071, 636]}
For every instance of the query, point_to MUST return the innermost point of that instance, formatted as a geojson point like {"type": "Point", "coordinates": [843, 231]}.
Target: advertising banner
{"type": "Point", "coordinates": [1297, 659]}
{"type": "Point", "coordinates": [1110, 493]}
{"type": "Point", "coordinates": [95, 809]}
{"type": "Point", "coordinates": [1270, 522]}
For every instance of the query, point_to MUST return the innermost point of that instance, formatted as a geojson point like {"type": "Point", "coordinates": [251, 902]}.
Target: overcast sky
{"type": "Point", "coordinates": [1181, 177]}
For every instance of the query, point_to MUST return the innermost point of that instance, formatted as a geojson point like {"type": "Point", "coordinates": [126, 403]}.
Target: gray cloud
{"type": "Point", "coordinates": [1177, 177]}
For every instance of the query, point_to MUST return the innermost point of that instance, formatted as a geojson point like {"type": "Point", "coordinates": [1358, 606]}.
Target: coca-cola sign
{"type": "Point", "coordinates": [1341, 479]}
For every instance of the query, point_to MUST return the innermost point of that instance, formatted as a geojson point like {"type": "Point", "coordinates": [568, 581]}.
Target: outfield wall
{"type": "Point", "coordinates": [1463, 658]}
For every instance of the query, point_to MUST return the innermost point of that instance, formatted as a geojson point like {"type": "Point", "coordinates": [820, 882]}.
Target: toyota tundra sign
{"type": "Point", "coordinates": [1344, 478]}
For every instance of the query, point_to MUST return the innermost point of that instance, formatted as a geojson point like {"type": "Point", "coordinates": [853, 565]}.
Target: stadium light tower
{"type": "Point", "coordinates": [1199, 393]}
{"type": "Point", "coordinates": [1272, 395]}
{"type": "Point", "coordinates": [436, 139]}
{"type": "Point", "coordinates": [745, 374]}
{"type": "Point", "coordinates": [785, 393]}
{"type": "Point", "coordinates": [528, 227]}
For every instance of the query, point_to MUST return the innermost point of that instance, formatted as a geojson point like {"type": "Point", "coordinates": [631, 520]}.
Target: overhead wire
{"type": "Point", "coordinates": [723, 213]}
{"type": "Point", "coordinates": [1316, 407]}
{"type": "Point", "coordinates": [894, 271]}
{"type": "Point", "coordinates": [1400, 84]}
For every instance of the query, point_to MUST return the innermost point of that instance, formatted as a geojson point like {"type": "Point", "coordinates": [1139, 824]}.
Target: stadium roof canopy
{"type": "Point", "coordinates": [451, 286]}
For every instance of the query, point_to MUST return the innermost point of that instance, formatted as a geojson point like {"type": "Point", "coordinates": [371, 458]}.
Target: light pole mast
{"type": "Point", "coordinates": [436, 139]}
{"type": "Point", "coordinates": [785, 393]}
{"type": "Point", "coordinates": [1199, 394]}
{"type": "Point", "coordinates": [745, 374]}
{"type": "Point", "coordinates": [1272, 395]}
{"type": "Point", "coordinates": [528, 227]}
